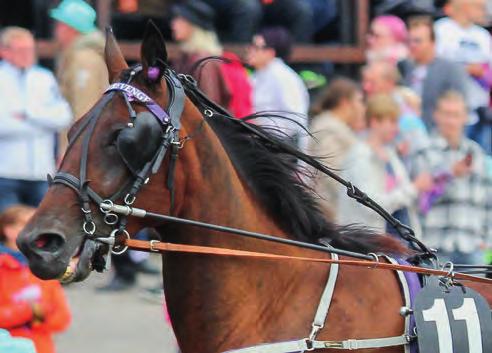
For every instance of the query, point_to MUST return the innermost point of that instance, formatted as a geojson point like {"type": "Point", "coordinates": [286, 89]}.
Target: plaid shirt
{"type": "Point", "coordinates": [461, 218]}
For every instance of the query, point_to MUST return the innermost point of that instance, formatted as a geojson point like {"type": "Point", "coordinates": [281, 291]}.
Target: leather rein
{"type": "Point", "coordinates": [116, 216]}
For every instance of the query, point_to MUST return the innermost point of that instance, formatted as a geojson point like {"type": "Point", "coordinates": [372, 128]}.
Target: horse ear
{"type": "Point", "coordinates": [115, 60]}
{"type": "Point", "coordinates": [153, 52]}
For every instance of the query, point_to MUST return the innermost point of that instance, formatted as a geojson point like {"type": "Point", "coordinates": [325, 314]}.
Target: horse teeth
{"type": "Point", "coordinates": [68, 275]}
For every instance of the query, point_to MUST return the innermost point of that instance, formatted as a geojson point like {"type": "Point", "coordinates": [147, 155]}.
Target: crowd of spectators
{"type": "Point", "coordinates": [425, 151]}
{"type": "Point", "coordinates": [414, 133]}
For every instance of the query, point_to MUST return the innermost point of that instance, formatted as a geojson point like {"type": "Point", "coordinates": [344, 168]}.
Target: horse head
{"type": "Point", "coordinates": [113, 150]}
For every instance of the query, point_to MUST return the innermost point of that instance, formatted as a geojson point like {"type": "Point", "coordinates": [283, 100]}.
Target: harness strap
{"type": "Point", "coordinates": [324, 304]}
{"type": "Point", "coordinates": [406, 296]}
{"type": "Point", "coordinates": [161, 247]}
{"type": "Point", "coordinates": [306, 345]}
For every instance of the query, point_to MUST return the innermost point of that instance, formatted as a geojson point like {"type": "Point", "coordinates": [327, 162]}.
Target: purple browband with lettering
{"type": "Point", "coordinates": [134, 94]}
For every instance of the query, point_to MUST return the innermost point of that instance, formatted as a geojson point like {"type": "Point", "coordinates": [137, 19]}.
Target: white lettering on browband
{"type": "Point", "coordinates": [130, 90]}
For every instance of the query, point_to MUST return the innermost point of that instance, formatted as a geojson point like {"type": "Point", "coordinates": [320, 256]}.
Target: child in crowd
{"type": "Point", "coordinates": [29, 307]}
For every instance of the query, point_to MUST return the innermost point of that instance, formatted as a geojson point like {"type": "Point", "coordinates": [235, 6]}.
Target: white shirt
{"type": "Point", "coordinates": [367, 171]}
{"type": "Point", "coordinates": [417, 79]}
{"type": "Point", "coordinates": [27, 145]}
{"type": "Point", "coordinates": [465, 45]}
{"type": "Point", "coordinates": [278, 88]}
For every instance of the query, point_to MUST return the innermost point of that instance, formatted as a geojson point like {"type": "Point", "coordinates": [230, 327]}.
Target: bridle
{"type": "Point", "coordinates": [170, 125]}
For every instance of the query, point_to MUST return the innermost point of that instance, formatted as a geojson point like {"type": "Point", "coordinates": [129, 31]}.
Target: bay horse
{"type": "Point", "coordinates": [224, 175]}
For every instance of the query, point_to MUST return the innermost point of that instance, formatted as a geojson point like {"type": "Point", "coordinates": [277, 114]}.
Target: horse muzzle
{"type": "Point", "coordinates": [51, 256]}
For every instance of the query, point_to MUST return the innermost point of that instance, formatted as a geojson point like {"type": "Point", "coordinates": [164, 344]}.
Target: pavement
{"type": "Point", "coordinates": [122, 322]}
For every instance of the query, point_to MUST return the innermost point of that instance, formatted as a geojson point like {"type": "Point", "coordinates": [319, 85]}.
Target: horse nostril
{"type": "Point", "coordinates": [48, 242]}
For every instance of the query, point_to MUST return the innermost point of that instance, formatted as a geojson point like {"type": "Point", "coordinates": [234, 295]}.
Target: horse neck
{"type": "Point", "coordinates": [213, 191]}
{"type": "Point", "coordinates": [204, 289]}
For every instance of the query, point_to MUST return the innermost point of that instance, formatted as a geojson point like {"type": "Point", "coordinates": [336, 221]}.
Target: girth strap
{"type": "Point", "coordinates": [306, 345]}
{"type": "Point", "coordinates": [310, 343]}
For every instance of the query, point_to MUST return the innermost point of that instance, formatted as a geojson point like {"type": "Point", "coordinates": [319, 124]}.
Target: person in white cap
{"type": "Point", "coordinates": [81, 69]}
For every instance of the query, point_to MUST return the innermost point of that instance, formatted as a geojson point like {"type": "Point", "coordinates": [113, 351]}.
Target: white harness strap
{"type": "Point", "coordinates": [310, 343]}
{"type": "Point", "coordinates": [318, 323]}
{"type": "Point", "coordinates": [406, 297]}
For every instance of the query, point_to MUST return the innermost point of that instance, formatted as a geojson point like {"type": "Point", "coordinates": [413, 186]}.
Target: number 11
{"type": "Point", "coordinates": [467, 312]}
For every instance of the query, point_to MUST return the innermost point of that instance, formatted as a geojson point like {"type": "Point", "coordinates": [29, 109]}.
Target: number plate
{"type": "Point", "coordinates": [452, 321]}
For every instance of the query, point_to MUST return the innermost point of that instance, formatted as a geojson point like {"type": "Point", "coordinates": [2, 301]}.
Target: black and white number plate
{"type": "Point", "coordinates": [452, 322]}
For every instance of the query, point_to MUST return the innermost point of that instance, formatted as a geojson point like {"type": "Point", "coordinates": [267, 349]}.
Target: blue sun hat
{"type": "Point", "coordinates": [77, 14]}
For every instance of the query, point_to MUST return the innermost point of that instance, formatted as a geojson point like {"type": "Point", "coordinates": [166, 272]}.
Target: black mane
{"type": "Point", "coordinates": [276, 180]}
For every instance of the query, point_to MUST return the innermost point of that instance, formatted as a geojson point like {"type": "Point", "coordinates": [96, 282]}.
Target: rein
{"type": "Point", "coordinates": [162, 247]}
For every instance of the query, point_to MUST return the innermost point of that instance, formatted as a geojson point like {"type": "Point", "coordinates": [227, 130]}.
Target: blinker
{"type": "Point", "coordinates": [137, 145]}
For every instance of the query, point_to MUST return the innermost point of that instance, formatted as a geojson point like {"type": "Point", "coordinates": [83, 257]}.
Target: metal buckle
{"type": "Point", "coordinates": [208, 112]}
{"type": "Point", "coordinates": [376, 260]}
{"type": "Point", "coordinates": [129, 199]}
{"type": "Point", "coordinates": [152, 243]}
{"type": "Point", "coordinates": [106, 206]}
{"type": "Point", "coordinates": [91, 230]}
{"type": "Point", "coordinates": [114, 249]}
{"type": "Point", "coordinates": [333, 344]}
{"type": "Point", "coordinates": [314, 332]}
{"type": "Point", "coordinates": [111, 218]}
{"type": "Point", "coordinates": [312, 336]}
{"type": "Point", "coordinates": [447, 280]}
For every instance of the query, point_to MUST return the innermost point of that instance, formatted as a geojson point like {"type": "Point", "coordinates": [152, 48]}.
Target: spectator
{"type": "Point", "coordinates": [296, 16]}
{"type": "Point", "coordinates": [276, 87]}
{"type": "Point", "coordinates": [339, 114]}
{"type": "Point", "coordinates": [403, 8]}
{"type": "Point", "coordinates": [81, 69]}
{"type": "Point", "coordinates": [32, 112]}
{"type": "Point", "coordinates": [457, 222]}
{"type": "Point", "coordinates": [129, 17]}
{"type": "Point", "coordinates": [226, 83]}
{"type": "Point", "coordinates": [443, 8]}
{"type": "Point", "coordinates": [327, 13]}
{"type": "Point", "coordinates": [412, 131]}
{"type": "Point", "coordinates": [381, 77]}
{"type": "Point", "coordinates": [460, 40]}
{"type": "Point", "coordinates": [374, 167]}
{"type": "Point", "coordinates": [239, 19]}
{"type": "Point", "coordinates": [29, 307]}
{"type": "Point", "coordinates": [428, 75]}
{"type": "Point", "coordinates": [387, 39]}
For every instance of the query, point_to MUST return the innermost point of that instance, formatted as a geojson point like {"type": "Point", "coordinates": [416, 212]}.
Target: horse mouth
{"type": "Point", "coordinates": [85, 259]}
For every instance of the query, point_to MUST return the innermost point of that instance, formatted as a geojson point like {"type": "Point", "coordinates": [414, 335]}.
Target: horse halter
{"type": "Point", "coordinates": [142, 145]}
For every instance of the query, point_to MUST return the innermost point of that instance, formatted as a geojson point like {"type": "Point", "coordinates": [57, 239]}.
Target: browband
{"type": "Point", "coordinates": [134, 94]}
